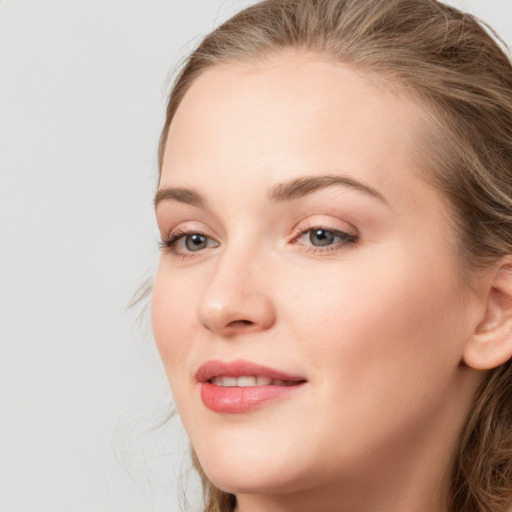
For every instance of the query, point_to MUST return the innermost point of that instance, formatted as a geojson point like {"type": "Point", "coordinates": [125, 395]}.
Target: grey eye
{"type": "Point", "coordinates": [321, 237]}
{"type": "Point", "coordinates": [195, 242]}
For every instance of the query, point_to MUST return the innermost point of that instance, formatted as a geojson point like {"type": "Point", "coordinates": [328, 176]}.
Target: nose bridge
{"type": "Point", "coordinates": [237, 297]}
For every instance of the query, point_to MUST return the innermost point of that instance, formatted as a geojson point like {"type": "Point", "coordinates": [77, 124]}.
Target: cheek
{"type": "Point", "coordinates": [173, 306]}
{"type": "Point", "coordinates": [382, 345]}
{"type": "Point", "coordinates": [399, 319]}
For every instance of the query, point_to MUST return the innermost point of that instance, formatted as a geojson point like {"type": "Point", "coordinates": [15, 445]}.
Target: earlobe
{"type": "Point", "coordinates": [491, 343]}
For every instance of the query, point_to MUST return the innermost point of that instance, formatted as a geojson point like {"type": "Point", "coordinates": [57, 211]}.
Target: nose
{"type": "Point", "coordinates": [237, 298]}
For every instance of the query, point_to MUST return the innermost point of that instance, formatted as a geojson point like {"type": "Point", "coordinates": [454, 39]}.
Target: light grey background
{"type": "Point", "coordinates": [82, 97]}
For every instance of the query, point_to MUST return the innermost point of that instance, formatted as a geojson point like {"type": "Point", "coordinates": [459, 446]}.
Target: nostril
{"type": "Point", "coordinates": [236, 323]}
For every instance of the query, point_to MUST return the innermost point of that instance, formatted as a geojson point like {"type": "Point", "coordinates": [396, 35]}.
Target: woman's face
{"type": "Point", "coordinates": [304, 252]}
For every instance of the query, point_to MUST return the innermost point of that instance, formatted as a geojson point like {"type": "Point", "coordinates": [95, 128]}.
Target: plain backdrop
{"type": "Point", "coordinates": [82, 96]}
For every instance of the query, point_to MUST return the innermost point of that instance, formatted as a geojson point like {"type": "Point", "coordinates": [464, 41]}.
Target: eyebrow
{"type": "Point", "coordinates": [182, 195]}
{"type": "Point", "coordinates": [303, 186]}
{"type": "Point", "coordinates": [287, 191]}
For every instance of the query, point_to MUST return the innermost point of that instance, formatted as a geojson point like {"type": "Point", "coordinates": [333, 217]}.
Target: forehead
{"type": "Point", "coordinates": [289, 115]}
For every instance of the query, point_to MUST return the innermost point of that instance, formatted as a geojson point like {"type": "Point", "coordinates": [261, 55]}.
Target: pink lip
{"type": "Point", "coordinates": [239, 368]}
{"type": "Point", "coordinates": [242, 399]}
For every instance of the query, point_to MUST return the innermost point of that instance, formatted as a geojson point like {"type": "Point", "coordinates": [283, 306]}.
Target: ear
{"type": "Point", "coordinates": [491, 343]}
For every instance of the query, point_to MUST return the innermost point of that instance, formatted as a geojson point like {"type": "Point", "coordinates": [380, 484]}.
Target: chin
{"type": "Point", "coordinates": [251, 469]}
{"type": "Point", "coordinates": [252, 481]}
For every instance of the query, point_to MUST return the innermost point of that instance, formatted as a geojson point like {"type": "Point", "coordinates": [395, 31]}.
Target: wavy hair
{"type": "Point", "coordinates": [450, 62]}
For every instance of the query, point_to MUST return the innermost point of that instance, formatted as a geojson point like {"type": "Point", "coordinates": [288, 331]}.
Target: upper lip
{"type": "Point", "coordinates": [241, 368]}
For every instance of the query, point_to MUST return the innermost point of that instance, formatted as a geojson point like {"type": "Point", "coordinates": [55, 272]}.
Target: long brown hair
{"type": "Point", "coordinates": [448, 60]}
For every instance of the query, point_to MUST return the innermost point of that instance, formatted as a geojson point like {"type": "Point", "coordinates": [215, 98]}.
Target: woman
{"type": "Point", "coordinates": [333, 303]}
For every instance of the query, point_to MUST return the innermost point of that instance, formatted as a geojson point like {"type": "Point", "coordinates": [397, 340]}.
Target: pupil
{"type": "Point", "coordinates": [321, 237]}
{"type": "Point", "coordinates": [195, 242]}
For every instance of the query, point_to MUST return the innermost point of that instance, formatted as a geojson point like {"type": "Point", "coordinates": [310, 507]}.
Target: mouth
{"type": "Point", "coordinates": [242, 386]}
{"type": "Point", "coordinates": [249, 381]}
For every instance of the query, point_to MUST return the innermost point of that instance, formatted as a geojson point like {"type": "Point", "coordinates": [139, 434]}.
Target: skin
{"type": "Point", "coordinates": [378, 327]}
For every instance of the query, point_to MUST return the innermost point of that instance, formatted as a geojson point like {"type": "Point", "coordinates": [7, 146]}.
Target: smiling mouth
{"type": "Point", "coordinates": [243, 373]}
{"type": "Point", "coordinates": [250, 381]}
{"type": "Point", "coordinates": [242, 386]}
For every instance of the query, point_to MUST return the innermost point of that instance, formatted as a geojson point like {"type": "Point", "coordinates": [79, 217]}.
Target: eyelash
{"type": "Point", "coordinates": [346, 239]}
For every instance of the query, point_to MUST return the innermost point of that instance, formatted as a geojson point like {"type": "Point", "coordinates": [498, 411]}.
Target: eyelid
{"type": "Point", "coordinates": [185, 227]}
{"type": "Point", "coordinates": [327, 223]}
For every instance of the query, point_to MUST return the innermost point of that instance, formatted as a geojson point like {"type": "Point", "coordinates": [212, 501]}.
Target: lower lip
{"type": "Point", "coordinates": [243, 399]}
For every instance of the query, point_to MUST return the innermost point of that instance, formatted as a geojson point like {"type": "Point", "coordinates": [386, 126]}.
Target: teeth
{"type": "Point", "coordinates": [263, 381]}
{"type": "Point", "coordinates": [229, 382]}
{"type": "Point", "coordinates": [246, 381]}
{"type": "Point", "coordinates": [243, 382]}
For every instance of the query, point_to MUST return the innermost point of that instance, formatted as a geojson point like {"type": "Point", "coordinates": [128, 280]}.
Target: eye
{"type": "Point", "coordinates": [181, 243]}
{"type": "Point", "coordinates": [195, 242]}
{"type": "Point", "coordinates": [323, 239]}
